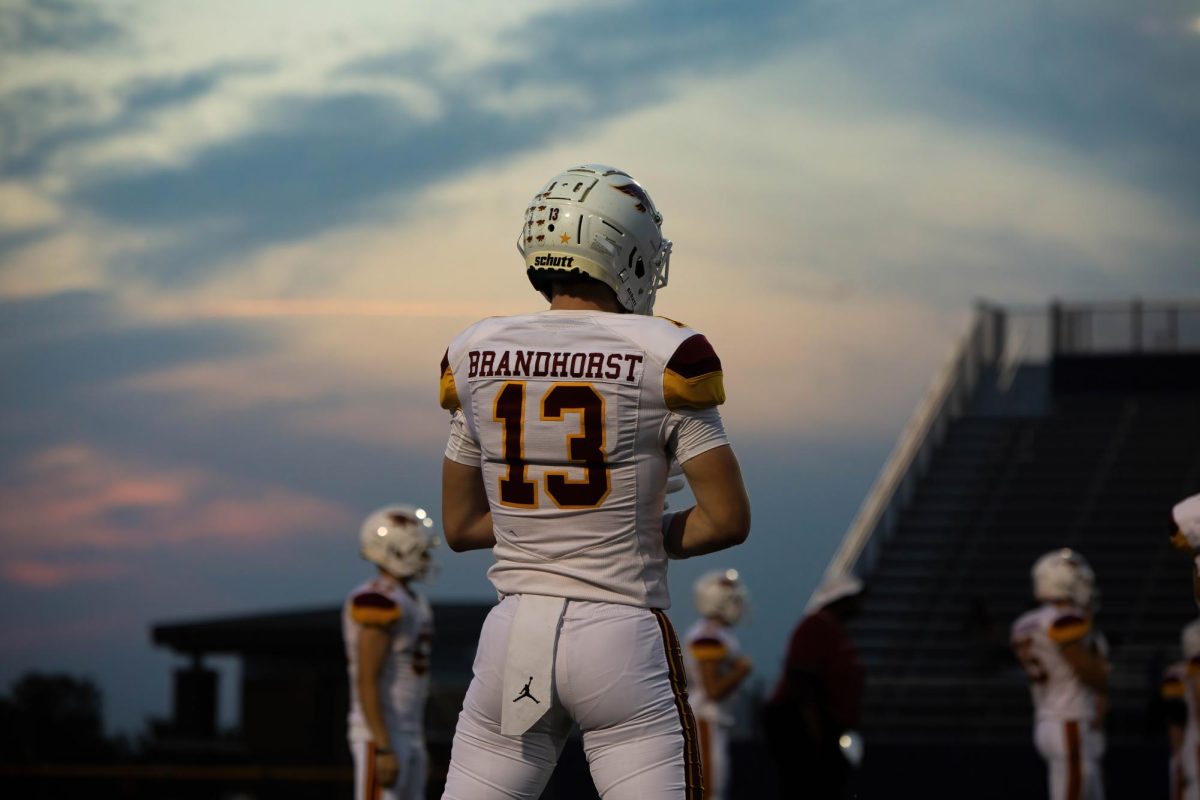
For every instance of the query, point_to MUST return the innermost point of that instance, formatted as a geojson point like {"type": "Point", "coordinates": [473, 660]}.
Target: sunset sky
{"type": "Point", "coordinates": [235, 238]}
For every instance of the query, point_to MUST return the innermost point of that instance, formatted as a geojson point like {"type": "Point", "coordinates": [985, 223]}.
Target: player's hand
{"type": "Point", "coordinates": [1181, 541]}
{"type": "Point", "coordinates": [387, 768]}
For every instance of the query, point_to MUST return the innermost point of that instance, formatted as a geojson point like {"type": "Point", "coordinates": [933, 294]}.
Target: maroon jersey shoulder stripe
{"type": "Point", "coordinates": [693, 358]}
{"type": "Point", "coordinates": [373, 600]}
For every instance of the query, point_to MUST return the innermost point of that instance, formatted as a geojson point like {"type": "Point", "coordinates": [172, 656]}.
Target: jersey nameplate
{"type": "Point", "coordinates": [606, 367]}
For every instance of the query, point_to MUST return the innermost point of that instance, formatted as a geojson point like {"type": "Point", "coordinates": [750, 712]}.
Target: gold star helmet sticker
{"type": "Point", "coordinates": [565, 238]}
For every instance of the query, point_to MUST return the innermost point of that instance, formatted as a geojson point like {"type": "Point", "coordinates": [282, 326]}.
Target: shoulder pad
{"type": "Point", "coordinates": [447, 391]}
{"type": "Point", "coordinates": [1069, 627]}
{"type": "Point", "coordinates": [373, 608]}
{"type": "Point", "coordinates": [707, 648]}
{"type": "Point", "coordinates": [676, 323]}
{"type": "Point", "coordinates": [693, 376]}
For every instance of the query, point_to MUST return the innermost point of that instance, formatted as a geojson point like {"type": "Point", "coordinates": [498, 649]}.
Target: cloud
{"type": "Point", "coordinates": [40, 574]}
{"type": "Point", "coordinates": [313, 162]}
{"type": "Point", "coordinates": [56, 25]}
{"type": "Point", "coordinates": [71, 498]}
{"type": "Point", "coordinates": [110, 350]}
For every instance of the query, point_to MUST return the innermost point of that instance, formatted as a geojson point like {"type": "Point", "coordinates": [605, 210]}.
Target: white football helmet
{"type": "Point", "coordinates": [721, 594]}
{"type": "Point", "coordinates": [596, 221]}
{"type": "Point", "coordinates": [1064, 575]}
{"type": "Point", "coordinates": [399, 538]}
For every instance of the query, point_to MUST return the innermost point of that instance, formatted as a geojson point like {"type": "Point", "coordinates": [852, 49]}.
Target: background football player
{"type": "Point", "coordinates": [812, 715]}
{"type": "Point", "coordinates": [1180, 691]}
{"type": "Point", "coordinates": [716, 668]}
{"type": "Point", "coordinates": [1185, 535]}
{"type": "Point", "coordinates": [563, 427]}
{"type": "Point", "coordinates": [1065, 661]}
{"type": "Point", "coordinates": [387, 628]}
{"type": "Point", "coordinates": [1175, 713]}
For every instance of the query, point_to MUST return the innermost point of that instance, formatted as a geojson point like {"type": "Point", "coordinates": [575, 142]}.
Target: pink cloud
{"type": "Point", "coordinates": [74, 496]}
{"type": "Point", "coordinates": [47, 575]}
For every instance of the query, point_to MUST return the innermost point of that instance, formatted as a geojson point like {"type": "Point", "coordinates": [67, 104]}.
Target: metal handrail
{"type": "Point", "coordinates": [944, 401]}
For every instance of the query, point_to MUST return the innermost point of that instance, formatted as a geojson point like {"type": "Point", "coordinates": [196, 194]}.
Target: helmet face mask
{"type": "Point", "coordinates": [721, 595]}
{"type": "Point", "coordinates": [1064, 576]}
{"type": "Point", "coordinates": [398, 539]}
{"type": "Point", "coordinates": [596, 221]}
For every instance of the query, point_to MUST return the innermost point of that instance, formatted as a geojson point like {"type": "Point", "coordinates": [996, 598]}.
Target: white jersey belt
{"type": "Point", "coordinates": [529, 666]}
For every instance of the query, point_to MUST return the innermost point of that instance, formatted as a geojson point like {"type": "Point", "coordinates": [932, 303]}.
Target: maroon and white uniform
{"type": "Point", "coordinates": [403, 684]}
{"type": "Point", "coordinates": [574, 418]}
{"type": "Point", "coordinates": [1067, 731]}
{"type": "Point", "coordinates": [711, 640]}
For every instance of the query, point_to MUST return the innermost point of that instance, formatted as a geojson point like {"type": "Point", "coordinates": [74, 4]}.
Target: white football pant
{"type": "Point", "coordinates": [413, 762]}
{"type": "Point", "coordinates": [1072, 751]}
{"type": "Point", "coordinates": [714, 755]}
{"type": "Point", "coordinates": [618, 673]}
{"type": "Point", "coordinates": [1189, 765]}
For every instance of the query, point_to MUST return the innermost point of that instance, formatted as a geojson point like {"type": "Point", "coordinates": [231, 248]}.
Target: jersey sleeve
{"type": "Point", "coordinates": [694, 432]}
{"type": "Point", "coordinates": [708, 648]}
{"type": "Point", "coordinates": [1068, 628]}
{"type": "Point", "coordinates": [373, 608]}
{"type": "Point", "coordinates": [692, 377]}
{"type": "Point", "coordinates": [461, 447]}
{"type": "Point", "coordinates": [447, 391]}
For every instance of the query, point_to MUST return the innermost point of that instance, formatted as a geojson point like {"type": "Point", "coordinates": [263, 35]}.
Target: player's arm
{"type": "Point", "coordinates": [720, 682]}
{"type": "Point", "coordinates": [373, 644]}
{"type": "Point", "coordinates": [1089, 665]}
{"type": "Point", "coordinates": [721, 516]}
{"type": "Point", "coordinates": [1174, 710]}
{"type": "Point", "coordinates": [466, 514]}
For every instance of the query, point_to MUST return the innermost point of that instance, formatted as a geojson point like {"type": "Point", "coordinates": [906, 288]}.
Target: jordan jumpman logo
{"type": "Point", "coordinates": [525, 692]}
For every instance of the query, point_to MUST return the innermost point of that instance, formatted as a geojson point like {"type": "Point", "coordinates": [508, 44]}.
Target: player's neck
{"type": "Point", "coordinates": [584, 297]}
{"type": "Point", "coordinates": [401, 582]}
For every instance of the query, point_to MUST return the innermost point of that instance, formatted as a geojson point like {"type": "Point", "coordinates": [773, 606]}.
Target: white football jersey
{"type": "Point", "coordinates": [1189, 669]}
{"type": "Point", "coordinates": [404, 679]}
{"type": "Point", "coordinates": [1038, 637]}
{"type": "Point", "coordinates": [710, 640]}
{"type": "Point", "coordinates": [574, 417]}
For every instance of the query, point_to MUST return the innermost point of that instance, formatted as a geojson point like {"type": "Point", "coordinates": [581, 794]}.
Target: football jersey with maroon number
{"type": "Point", "coordinates": [1038, 637]}
{"type": "Point", "coordinates": [404, 679]}
{"type": "Point", "coordinates": [573, 417]}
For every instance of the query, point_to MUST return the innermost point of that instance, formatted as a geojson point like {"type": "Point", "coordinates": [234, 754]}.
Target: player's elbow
{"type": "Point", "coordinates": [733, 524]}
{"type": "Point", "coordinates": [457, 537]}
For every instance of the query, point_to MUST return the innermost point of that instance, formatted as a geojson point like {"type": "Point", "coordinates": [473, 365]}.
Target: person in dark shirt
{"type": "Point", "coordinates": [815, 707]}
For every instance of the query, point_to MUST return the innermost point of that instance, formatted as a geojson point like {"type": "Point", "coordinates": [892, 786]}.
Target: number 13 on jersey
{"type": "Point", "coordinates": [583, 447]}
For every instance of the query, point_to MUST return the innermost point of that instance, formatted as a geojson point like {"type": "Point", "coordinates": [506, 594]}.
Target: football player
{"type": "Point", "coordinates": [1173, 691]}
{"type": "Point", "coordinates": [1180, 688]}
{"type": "Point", "coordinates": [563, 427]}
{"type": "Point", "coordinates": [716, 669]}
{"type": "Point", "coordinates": [387, 628]}
{"type": "Point", "coordinates": [811, 717]}
{"type": "Point", "coordinates": [1185, 534]}
{"type": "Point", "coordinates": [1065, 661]}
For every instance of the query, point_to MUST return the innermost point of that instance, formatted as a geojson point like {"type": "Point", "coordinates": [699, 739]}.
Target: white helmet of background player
{"type": "Point", "coordinates": [721, 594]}
{"type": "Point", "coordinates": [399, 538]}
{"type": "Point", "coordinates": [1064, 575]}
{"type": "Point", "coordinates": [596, 220]}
